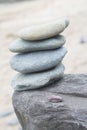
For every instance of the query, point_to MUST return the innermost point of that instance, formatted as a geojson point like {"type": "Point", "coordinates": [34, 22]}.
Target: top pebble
{"type": "Point", "coordinates": [43, 31]}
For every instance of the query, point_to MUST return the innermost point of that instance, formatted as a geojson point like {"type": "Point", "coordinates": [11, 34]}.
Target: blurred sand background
{"type": "Point", "coordinates": [14, 16]}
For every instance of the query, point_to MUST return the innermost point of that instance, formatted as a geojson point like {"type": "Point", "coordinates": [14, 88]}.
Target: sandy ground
{"type": "Point", "coordinates": [15, 16]}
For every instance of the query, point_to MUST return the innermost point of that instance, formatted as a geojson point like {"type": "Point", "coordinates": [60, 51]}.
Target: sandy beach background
{"type": "Point", "coordinates": [14, 16]}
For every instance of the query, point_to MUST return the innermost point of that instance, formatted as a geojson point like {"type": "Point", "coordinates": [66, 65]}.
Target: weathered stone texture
{"type": "Point", "coordinates": [36, 112]}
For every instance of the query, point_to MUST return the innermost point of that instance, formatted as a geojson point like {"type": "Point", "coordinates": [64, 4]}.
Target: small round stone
{"type": "Point", "coordinates": [43, 31]}
{"type": "Point", "coordinates": [22, 46]}
{"type": "Point", "coordinates": [37, 80]}
{"type": "Point", "coordinates": [37, 61]}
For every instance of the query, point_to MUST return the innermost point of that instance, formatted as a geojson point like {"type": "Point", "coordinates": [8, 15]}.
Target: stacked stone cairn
{"type": "Point", "coordinates": [40, 54]}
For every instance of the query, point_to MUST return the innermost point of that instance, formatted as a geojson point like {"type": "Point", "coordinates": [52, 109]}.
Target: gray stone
{"type": "Point", "coordinates": [79, 89]}
{"type": "Point", "coordinates": [37, 80]}
{"type": "Point", "coordinates": [22, 46]}
{"type": "Point", "coordinates": [6, 113]}
{"type": "Point", "coordinates": [43, 31]}
{"type": "Point", "coordinates": [83, 39]}
{"type": "Point", "coordinates": [37, 61]}
{"type": "Point", "coordinates": [35, 111]}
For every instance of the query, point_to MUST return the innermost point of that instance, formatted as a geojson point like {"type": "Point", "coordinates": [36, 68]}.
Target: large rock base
{"type": "Point", "coordinates": [36, 110]}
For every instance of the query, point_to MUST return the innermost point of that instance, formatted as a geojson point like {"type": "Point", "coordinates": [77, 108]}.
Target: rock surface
{"type": "Point", "coordinates": [37, 80]}
{"type": "Point", "coordinates": [35, 111]}
{"type": "Point", "coordinates": [22, 46]}
{"type": "Point", "coordinates": [37, 61]}
{"type": "Point", "coordinates": [43, 31]}
{"type": "Point", "coordinates": [79, 89]}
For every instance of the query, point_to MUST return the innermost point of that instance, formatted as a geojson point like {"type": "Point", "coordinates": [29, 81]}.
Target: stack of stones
{"type": "Point", "coordinates": [40, 53]}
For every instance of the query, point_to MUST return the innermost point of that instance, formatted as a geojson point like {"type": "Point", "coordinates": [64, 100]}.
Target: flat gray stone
{"type": "Point", "coordinates": [37, 80]}
{"type": "Point", "coordinates": [35, 111]}
{"type": "Point", "coordinates": [43, 31]}
{"type": "Point", "coordinates": [37, 61]}
{"type": "Point", "coordinates": [22, 46]}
